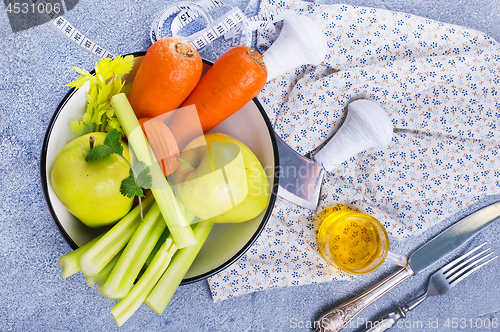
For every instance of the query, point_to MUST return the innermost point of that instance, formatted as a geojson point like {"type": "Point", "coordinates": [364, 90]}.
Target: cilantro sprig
{"type": "Point", "coordinates": [140, 176]}
{"type": "Point", "coordinates": [107, 82]}
{"type": "Point", "coordinates": [111, 145]}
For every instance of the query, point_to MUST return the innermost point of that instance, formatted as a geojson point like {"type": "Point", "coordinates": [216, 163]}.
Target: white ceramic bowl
{"type": "Point", "coordinates": [226, 242]}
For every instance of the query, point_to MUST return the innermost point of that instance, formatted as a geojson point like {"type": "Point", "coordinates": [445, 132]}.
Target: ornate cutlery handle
{"type": "Point", "coordinates": [336, 319]}
{"type": "Point", "coordinates": [387, 321]}
{"type": "Point", "coordinates": [390, 319]}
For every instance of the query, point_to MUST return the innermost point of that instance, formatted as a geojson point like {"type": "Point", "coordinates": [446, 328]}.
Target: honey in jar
{"type": "Point", "coordinates": [354, 242]}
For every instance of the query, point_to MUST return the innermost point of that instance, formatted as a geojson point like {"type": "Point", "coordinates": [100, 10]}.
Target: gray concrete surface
{"type": "Point", "coordinates": [33, 297]}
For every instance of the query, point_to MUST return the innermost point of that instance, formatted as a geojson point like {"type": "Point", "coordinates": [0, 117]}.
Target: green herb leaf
{"type": "Point", "coordinates": [143, 176]}
{"type": "Point", "coordinates": [129, 187]}
{"type": "Point", "coordinates": [103, 85]}
{"type": "Point", "coordinates": [80, 81]}
{"type": "Point", "coordinates": [113, 123]}
{"type": "Point", "coordinates": [99, 152]}
{"type": "Point", "coordinates": [112, 140]}
{"type": "Point", "coordinates": [123, 65]}
{"type": "Point", "coordinates": [79, 127]}
{"type": "Point", "coordinates": [139, 178]}
{"type": "Point", "coordinates": [111, 145]}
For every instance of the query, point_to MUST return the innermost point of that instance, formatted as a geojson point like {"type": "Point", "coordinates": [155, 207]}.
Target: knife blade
{"type": "Point", "coordinates": [427, 255]}
{"type": "Point", "coordinates": [453, 237]}
{"type": "Point", "coordinates": [301, 177]}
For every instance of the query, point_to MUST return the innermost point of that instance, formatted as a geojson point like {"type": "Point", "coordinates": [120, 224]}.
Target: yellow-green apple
{"type": "Point", "coordinates": [91, 190]}
{"type": "Point", "coordinates": [221, 180]}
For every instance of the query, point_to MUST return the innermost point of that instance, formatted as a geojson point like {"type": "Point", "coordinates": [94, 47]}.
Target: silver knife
{"type": "Point", "coordinates": [428, 254]}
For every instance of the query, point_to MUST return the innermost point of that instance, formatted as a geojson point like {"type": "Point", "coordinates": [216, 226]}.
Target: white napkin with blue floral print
{"type": "Point", "coordinates": [440, 85]}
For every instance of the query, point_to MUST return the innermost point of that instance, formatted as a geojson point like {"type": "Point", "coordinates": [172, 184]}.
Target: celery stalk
{"type": "Point", "coordinates": [134, 256]}
{"type": "Point", "coordinates": [190, 217]}
{"type": "Point", "coordinates": [71, 261]}
{"type": "Point", "coordinates": [160, 296]}
{"type": "Point", "coordinates": [182, 234]}
{"type": "Point", "coordinates": [163, 238]}
{"type": "Point", "coordinates": [102, 276]}
{"type": "Point", "coordinates": [103, 251]}
{"type": "Point", "coordinates": [125, 308]}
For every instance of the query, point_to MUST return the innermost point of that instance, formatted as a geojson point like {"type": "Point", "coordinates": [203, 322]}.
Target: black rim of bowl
{"type": "Point", "coordinates": [267, 215]}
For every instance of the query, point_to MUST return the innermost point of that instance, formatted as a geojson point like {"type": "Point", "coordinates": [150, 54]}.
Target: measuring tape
{"type": "Point", "coordinates": [200, 24]}
{"type": "Point", "coordinates": [68, 30]}
{"type": "Point", "coordinates": [195, 22]}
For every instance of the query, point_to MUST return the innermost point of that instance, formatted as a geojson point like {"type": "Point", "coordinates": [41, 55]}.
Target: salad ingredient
{"type": "Point", "coordinates": [228, 185]}
{"type": "Point", "coordinates": [111, 145]}
{"type": "Point", "coordinates": [162, 143]}
{"type": "Point", "coordinates": [367, 125]}
{"type": "Point", "coordinates": [182, 234]}
{"type": "Point", "coordinates": [125, 308]}
{"type": "Point", "coordinates": [71, 261]}
{"type": "Point", "coordinates": [190, 218]}
{"type": "Point", "coordinates": [162, 239]}
{"type": "Point", "coordinates": [161, 294]}
{"type": "Point", "coordinates": [235, 78]}
{"type": "Point", "coordinates": [91, 190]}
{"type": "Point", "coordinates": [102, 276]}
{"type": "Point", "coordinates": [301, 41]}
{"type": "Point", "coordinates": [134, 256]}
{"type": "Point", "coordinates": [168, 73]}
{"type": "Point", "coordinates": [107, 247]}
{"type": "Point", "coordinates": [139, 176]}
{"type": "Point", "coordinates": [106, 82]}
{"type": "Point", "coordinates": [184, 123]}
{"type": "Point", "coordinates": [341, 230]}
{"type": "Point", "coordinates": [138, 179]}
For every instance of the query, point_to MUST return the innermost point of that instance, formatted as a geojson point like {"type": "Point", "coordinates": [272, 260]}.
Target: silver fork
{"type": "Point", "coordinates": [440, 283]}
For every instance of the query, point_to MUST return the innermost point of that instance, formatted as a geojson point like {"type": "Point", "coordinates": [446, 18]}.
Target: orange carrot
{"type": "Point", "coordinates": [168, 73]}
{"type": "Point", "coordinates": [162, 143]}
{"type": "Point", "coordinates": [185, 125]}
{"type": "Point", "coordinates": [236, 77]}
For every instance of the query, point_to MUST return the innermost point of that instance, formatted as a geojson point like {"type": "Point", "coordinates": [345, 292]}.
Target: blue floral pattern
{"type": "Point", "coordinates": [440, 85]}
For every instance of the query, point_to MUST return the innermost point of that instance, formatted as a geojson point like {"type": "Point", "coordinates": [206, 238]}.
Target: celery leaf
{"type": "Point", "coordinates": [106, 83]}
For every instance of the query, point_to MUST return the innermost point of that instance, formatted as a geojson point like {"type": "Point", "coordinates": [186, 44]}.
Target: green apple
{"type": "Point", "coordinates": [91, 190]}
{"type": "Point", "coordinates": [221, 180]}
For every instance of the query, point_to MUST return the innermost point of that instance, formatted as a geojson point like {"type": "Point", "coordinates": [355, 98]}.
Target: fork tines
{"type": "Point", "coordinates": [462, 267]}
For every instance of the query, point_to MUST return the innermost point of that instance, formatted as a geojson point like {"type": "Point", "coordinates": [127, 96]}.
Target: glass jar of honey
{"type": "Point", "coordinates": [353, 241]}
